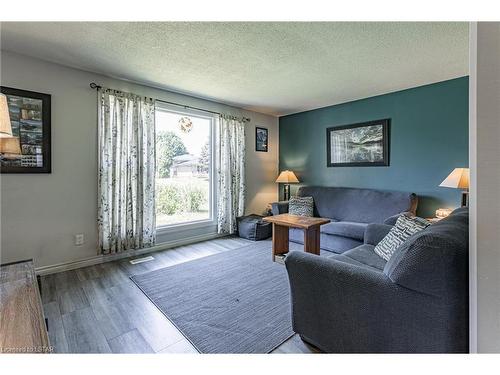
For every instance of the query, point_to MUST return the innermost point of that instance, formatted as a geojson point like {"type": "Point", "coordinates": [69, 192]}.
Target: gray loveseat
{"type": "Point", "coordinates": [350, 211]}
{"type": "Point", "coordinates": [415, 303]}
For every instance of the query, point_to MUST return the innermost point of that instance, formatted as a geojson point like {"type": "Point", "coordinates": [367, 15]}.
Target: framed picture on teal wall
{"type": "Point", "coordinates": [364, 144]}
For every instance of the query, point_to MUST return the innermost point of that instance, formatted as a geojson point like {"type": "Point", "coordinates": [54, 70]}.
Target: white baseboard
{"type": "Point", "coordinates": [67, 266]}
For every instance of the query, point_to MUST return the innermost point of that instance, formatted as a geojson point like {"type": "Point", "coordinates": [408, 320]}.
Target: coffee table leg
{"type": "Point", "coordinates": [311, 240]}
{"type": "Point", "coordinates": [280, 240]}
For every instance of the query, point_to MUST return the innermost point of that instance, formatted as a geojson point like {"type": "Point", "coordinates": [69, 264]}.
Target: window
{"type": "Point", "coordinates": [184, 164]}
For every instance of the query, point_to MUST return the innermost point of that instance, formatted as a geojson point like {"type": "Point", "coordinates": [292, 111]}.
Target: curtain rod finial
{"type": "Point", "coordinates": [93, 85]}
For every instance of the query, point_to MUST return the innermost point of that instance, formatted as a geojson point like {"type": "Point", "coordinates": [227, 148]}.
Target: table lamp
{"type": "Point", "coordinates": [287, 177]}
{"type": "Point", "coordinates": [459, 179]}
{"type": "Point", "coordinates": [9, 145]}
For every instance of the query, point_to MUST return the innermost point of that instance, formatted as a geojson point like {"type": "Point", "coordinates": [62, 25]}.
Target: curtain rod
{"type": "Point", "coordinates": [94, 85]}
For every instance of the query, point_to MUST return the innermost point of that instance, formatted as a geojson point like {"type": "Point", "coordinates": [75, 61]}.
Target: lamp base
{"type": "Point", "coordinates": [465, 199]}
{"type": "Point", "coordinates": [286, 192]}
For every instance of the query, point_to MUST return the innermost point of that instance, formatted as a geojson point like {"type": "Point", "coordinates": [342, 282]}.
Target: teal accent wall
{"type": "Point", "coordinates": [428, 138]}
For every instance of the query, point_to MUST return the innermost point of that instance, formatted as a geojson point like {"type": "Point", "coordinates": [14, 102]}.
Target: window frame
{"type": "Point", "coordinates": [212, 220]}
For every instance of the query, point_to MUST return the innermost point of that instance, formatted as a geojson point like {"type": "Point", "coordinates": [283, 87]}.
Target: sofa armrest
{"type": "Point", "coordinates": [279, 207]}
{"type": "Point", "coordinates": [312, 272]}
{"type": "Point", "coordinates": [374, 233]}
{"type": "Point", "coordinates": [391, 220]}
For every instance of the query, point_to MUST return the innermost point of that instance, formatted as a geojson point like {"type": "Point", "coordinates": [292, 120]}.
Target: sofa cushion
{"type": "Point", "coordinates": [358, 205]}
{"type": "Point", "coordinates": [434, 260]}
{"type": "Point", "coordinates": [302, 206]}
{"type": "Point", "coordinates": [365, 254]}
{"type": "Point", "coordinates": [374, 233]}
{"type": "Point", "coordinates": [405, 227]}
{"type": "Point", "coordinates": [336, 244]}
{"type": "Point", "coordinates": [345, 229]}
{"type": "Point", "coordinates": [342, 258]}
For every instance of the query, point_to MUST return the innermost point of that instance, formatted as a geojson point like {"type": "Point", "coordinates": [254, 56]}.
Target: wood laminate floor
{"type": "Point", "coordinates": [98, 309]}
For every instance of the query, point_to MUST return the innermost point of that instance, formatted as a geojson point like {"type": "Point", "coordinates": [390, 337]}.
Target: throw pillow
{"type": "Point", "coordinates": [405, 227]}
{"type": "Point", "coordinates": [302, 206]}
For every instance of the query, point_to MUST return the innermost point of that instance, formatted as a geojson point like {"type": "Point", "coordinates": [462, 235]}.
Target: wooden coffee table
{"type": "Point", "coordinates": [282, 223]}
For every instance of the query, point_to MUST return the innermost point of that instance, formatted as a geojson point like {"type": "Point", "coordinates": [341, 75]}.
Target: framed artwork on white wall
{"type": "Point", "coordinates": [24, 131]}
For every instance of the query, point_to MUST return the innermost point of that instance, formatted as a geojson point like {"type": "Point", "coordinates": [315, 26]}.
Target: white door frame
{"type": "Point", "coordinates": [473, 187]}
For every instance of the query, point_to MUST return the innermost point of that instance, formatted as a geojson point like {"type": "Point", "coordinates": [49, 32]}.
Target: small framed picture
{"type": "Point", "coordinates": [25, 146]}
{"type": "Point", "coordinates": [358, 145]}
{"type": "Point", "coordinates": [261, 139]}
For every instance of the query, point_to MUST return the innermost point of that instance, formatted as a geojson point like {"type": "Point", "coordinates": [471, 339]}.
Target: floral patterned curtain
{"type": "Point", "coordinates": [126, 139]}
{"type": "Point", "coordinates": [230, 173]}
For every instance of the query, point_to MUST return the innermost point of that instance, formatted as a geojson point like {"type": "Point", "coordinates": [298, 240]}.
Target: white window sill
{"type": "Point", "coordinates": [186, 226]}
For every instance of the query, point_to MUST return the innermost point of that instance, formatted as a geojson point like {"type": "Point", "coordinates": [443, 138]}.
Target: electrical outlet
{"type": "Point", "coordinates": [79, 239]}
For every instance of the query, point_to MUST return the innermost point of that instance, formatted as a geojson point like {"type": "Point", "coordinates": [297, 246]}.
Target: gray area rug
{"type": "Point", "coordinates": [237, 301]}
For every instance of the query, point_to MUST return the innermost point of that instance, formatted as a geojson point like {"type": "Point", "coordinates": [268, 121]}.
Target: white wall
{"type": "Point", "coordinates": [485, 187]}
{"type": "Point", "coordinates": [41, 213]}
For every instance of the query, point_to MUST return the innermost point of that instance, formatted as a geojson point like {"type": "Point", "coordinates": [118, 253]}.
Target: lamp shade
{"type": "Point", "coordinates": [287, 177]}
{"type": "Point", "coordinates": [10, 146]}
{"type": "Point", "coordinates": [458, 179]}
{"type": "Point", "coordinates": [5, 127]}
{"type": "Point", "coordinates": [8, 143]}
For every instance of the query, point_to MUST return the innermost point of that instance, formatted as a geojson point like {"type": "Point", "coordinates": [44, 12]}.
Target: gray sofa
{"type": "Point", "coordinates": [415, 303]}
{"type": "Point", "coordinates": [350, 211]}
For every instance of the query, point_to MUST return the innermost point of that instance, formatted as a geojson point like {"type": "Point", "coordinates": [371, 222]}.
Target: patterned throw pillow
{"type": "Point", "coordinates": [302, 206]}
{"type": "Point", "coordinates": [405, 227]}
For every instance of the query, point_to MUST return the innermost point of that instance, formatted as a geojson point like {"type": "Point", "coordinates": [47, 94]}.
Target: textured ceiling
{"type": "Point", "coordinates": [274, 68]}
